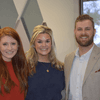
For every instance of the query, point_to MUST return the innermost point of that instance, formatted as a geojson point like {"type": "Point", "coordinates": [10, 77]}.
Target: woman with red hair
{"type": "Point", "coordinates": [14, 69]}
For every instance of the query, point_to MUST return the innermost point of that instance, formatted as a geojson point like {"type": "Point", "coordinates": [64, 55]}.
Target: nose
{"type": "Point", "coordinates": [43, 44]}
{"type": "Point", "coordinates": [9, 47]}
{"type": "Point", "coordinates": [83, 32]}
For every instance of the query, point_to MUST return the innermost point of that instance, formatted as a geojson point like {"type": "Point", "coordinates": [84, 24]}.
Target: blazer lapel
{"type": "Point", "coordinates": [91, 62]}
{"type": "Point", "coordinates": [69, 64]}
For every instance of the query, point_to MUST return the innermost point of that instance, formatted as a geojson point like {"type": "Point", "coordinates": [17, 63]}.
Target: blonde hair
{"type": "Point", "coordinates": [32, 56]}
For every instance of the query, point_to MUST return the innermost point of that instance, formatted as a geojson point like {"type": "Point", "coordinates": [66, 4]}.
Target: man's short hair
{"type": "Point", "coordinates": [84, 17]}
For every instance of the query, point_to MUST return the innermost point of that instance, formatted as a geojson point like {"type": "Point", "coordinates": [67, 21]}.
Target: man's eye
{"type": "Point", "coordinates": [87, 29]}
{"type": "Point", "coordinates": [79, 29]}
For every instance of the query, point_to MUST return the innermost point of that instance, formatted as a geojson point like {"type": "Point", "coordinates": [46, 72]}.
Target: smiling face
{"type": "Point", "coordinates": [43, 45]}
{"type": "Point", "coordinates": [84, 33]}
{"type": "Point", "coordinates": [8, 47]}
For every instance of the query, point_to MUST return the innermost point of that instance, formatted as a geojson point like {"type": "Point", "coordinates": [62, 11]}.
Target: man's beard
{"type": "Point", "coordinates": [87, 43]}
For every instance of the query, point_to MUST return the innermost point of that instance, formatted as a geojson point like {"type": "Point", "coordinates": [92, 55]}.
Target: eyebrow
{"type": "Point", "coordinates": [85, 27]}
{"type": "Point", "coordinates": [41, 39]}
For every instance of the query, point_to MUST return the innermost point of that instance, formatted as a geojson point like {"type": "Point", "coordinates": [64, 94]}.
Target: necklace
{"type": "Point", "coordinates": [45, 66]}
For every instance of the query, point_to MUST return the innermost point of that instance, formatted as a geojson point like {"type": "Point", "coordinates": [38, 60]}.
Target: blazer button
{"type": "Point", "coordinates": [85, 98]}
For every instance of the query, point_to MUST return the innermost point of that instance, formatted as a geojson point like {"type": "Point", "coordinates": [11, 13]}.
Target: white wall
{"type": "Point", "coordinates": [20, 5]}
{"type": "Point", "coordinates": [60, 16]}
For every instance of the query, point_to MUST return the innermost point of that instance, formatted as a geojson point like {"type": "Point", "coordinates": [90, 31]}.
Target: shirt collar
{"type": "Point", "coordinates": [84, 55]}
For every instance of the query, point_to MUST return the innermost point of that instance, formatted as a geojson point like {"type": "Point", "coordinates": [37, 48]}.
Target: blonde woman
{"type": "Point", "coordinates": [47, 80]}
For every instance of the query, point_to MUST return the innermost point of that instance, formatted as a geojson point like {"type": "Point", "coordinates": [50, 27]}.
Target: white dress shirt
{"type": "Point", "coordinates": [77, 75]}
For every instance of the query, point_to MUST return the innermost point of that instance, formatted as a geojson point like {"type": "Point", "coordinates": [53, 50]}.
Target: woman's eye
{"type": "Point", "coordinates": [13, 43]}
{"type": "Point", "coordinates": [4, 43]}
{"type": "Point", "coordinates": [48, 41]}
{"type": "Point", "coordinates": [39, 41]}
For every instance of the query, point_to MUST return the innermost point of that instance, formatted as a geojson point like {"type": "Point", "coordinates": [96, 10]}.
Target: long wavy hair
{"type": "Point", "coordinates": [32, 56]}
{"type": "Point", "coordinates": [19, 62]}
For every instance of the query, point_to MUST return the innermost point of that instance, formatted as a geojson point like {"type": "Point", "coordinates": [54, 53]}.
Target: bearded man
{"type": "Point", "coordinates": [82, 67]}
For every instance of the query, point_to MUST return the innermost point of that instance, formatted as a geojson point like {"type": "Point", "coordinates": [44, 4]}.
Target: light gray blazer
{"type": "Point", "coordinates": [91, 82]}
